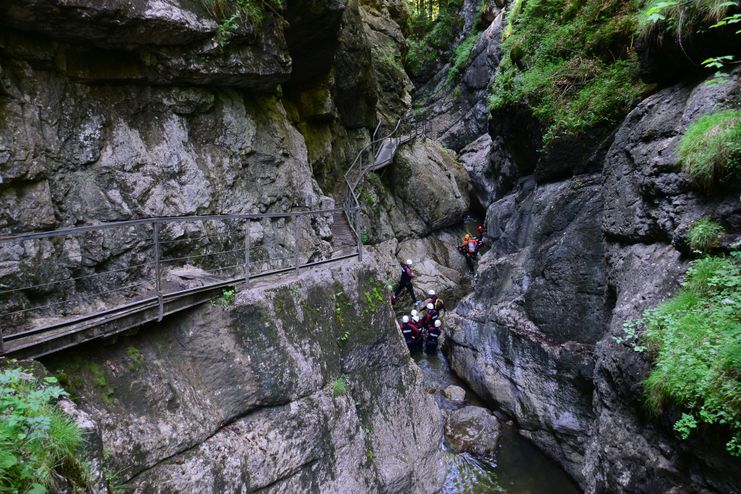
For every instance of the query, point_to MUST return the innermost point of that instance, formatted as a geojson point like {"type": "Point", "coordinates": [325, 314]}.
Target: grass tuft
{"type": "Point", "coordinates": [704, 235]}
{"type": "Point", "coordinates": [710, 150]}
{"type": "Point", "coordinates": [683, 18]}
{"type": "Point", "coordinates": [461, 54]}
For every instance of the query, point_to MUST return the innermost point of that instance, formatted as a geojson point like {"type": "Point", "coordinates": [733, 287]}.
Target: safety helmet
{"type": "Point", "coordinates": [431, 293]}
{"type": "Point", "coordinates": [480, 228]}
{"type": "Point", "coordinates": [409, 262]}
{"type": "Point", "coordinates": [438, 323]}
{"type": "Point", "coordinates": [414, 313]}
{"type": "Point", "coordinates": [430, 306]}
{"type": "Point", "coordinates": [405, 319]}
{"type": "Point", "coordinates": [467, 236]}
{"type": "Point", "coordinates": [415, 318]}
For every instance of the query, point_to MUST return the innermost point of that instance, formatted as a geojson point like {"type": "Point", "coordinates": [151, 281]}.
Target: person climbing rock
{"type": "Point", "coordinates": [405, 282]}
{"type": "Point", "coordinates": [433, 334]}
{"type": "Point", "coordinates": [436, 301]}
{"type": "Point", "coordinates": [480, 232]}
{"type": "Point", "coordinates": [469, 248]}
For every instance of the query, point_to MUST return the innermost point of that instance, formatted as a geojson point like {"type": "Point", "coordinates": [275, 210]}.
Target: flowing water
{"type": "Point", "coordinates": [518, 467]}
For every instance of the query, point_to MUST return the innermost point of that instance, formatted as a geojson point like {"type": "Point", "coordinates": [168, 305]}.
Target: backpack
{"type": "Point", "coordinates": [471, 245]}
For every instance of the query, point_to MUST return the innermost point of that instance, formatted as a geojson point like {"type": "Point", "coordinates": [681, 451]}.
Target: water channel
{"type": "Point", "coordinates": [518, 467]}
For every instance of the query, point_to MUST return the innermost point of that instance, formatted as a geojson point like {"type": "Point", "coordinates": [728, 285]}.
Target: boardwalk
{"type": "Point", "coordinates": [79, 284]}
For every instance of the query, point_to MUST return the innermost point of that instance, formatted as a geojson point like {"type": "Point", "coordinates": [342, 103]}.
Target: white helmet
{"type": "Point", "coordinates": [405, 319]}
{"type": "Point", "coordinates": [431, 293]}
{"type": "Point", "coordinates": [415, 318]}
{"type": "Point", "coordinates": [409, 262]}
{"type": "Point", "coordinates": [438, 323]}
{"type": "Point", "coordinates": [414, 313]}
{"type": "Point", "coordinates": [430, 306]}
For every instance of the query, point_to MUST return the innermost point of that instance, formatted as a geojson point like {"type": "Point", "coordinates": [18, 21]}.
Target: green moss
{"type": "Point", "coordinates": [136, 360]}
{"type": "Point", "coordinates": [696, 339]}
{"type": "Point", "coordinates": [571, 63]}
{"type": "Point", "coordinates": [704, 235]}
{"type": "Point", "coordinates": [461, 54]}
{"type": "Point", "coordinates": [710, 150]}
{"type": "Point", "coordinates": [339, 387]}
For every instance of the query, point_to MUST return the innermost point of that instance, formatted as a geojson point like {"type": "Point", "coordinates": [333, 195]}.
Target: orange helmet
{"type": "Point", "coordinates": [467, 237]}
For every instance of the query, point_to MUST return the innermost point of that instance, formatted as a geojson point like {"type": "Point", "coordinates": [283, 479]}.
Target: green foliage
{"type": "Point", "coordinates": [461, 54]}
{"type": "Point", "coordinates": [696, 338]}
{"type": "Point", "coordinates": [710, 149]}
{"type": "Point", "coordinates": [231, 14]}
{"type": "Point", "coordinates": [136, 360]}
{"type": "Point", "coordinates": [704, 235]}
{"type": "Point", "coordinates": [339, 386]}
{"type": "Point", "coordinates": [36, 438]}
{"type": "Point", "coordinates": [374, 298]}
{"type": "Point", "coordinates": [682, 17]}
{"type": "Point", "coordinates": [631, 336]}
{"type": "Point", "coordinates": [431, 36]}
{"type": "Point", "coordinates": [227, 298]}
{"type": "Point", "coordinates": [571, 63]}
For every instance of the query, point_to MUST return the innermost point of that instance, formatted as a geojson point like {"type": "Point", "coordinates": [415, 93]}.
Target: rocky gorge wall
{"type": "Point", "coordinates": [578, 247]}
{"type": "Point", "coordinates": [114, 111]}
{"type": "Point", "coordinates": [283, 391]}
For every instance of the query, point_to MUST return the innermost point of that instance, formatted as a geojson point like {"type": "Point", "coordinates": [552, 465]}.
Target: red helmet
{"type": "Point", "coordinates": [481, 229]}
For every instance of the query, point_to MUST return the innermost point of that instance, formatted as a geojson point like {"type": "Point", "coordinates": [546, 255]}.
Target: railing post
{"type": "Point", "coordinates": [247, 252]}
{"type": "Point", "coordinates": [2, 349]}
{"type": "Point", "coordinates": [157, 268]}
{"type": "Point", "coordinates": [357, 231]}
{"type": "Point", "coordinates": [297, 234]}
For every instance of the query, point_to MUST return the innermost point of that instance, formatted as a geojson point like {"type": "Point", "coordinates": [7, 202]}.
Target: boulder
{"type": "Point", "coordinates": [472, 430]}
{"type": "Point", "coordinates": [431, 186]}
{"type": "Point", "coordinates": [455, 393]}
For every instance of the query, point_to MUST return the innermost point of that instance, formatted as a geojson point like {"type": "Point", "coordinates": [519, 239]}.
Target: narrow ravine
{"type": "Point", "coordinates": [517, 467]}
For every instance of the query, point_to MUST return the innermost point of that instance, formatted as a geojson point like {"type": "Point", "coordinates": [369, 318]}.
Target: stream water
{"type": "Point", "coordinates": [518, 467]}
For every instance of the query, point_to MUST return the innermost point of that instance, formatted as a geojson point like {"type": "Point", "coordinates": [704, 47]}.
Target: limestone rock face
{"type": "Point", "coordinates": [472, 429]}
{"type": "Point", "coordinates": [570, 262]}
{"type": "Point", "coordinates": [266, 394]}
{"type": "Point", "coordinates": [458, 117]}
{"type": "Point", "coordinates": [382, 21]}
{"type": "Point", "coordinates": [153, 41]}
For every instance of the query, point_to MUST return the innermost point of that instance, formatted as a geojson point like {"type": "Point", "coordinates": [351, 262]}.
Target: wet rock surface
{"type": "Point", "coordinates": [472, 429]}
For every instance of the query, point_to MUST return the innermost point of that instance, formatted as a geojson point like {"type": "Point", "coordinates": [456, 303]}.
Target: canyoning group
{"type": "Point", "coordinates": [422, 330]}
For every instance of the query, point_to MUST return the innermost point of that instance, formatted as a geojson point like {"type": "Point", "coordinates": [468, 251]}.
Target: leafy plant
{"type": "Point", "coordinates": [630, 336]}
{"type": "Point", "coordinates": [710, 149]}
{"type": "Point", "coordinates": [36, 438]}
{"type": "Point", "coordinates": [227, 298]}
{"type": "Point", "coordinates": [571, 63]}
{"type": "Point", "coordinates": [704, 235]}
{"type": "Point", "coordinates": [339, 386]}
{"type": "Point", "coordinates": [696, 339]}
{"type": "Point", "coordinates": [231, 14]}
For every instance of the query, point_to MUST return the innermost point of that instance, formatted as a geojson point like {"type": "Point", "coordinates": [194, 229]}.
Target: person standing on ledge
{"type": "Point", "coordinates": [405, 282]}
